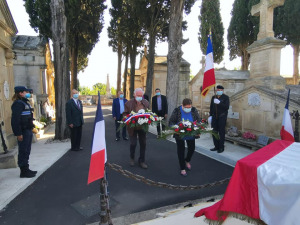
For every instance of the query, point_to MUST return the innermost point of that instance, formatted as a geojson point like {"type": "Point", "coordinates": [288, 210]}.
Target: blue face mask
{"type": "Point", "coordinates": [219, 92]}
{"type": "Point", "coordinates": [157, 93]}
{"type": "Point", "coordinates": [27, 95]}
{"type": "Point", "coordinates": [138, 99]}
{"type": "Point", "coordinates": [75, 96]}
{"type": "Point", "coordinates": [187, 110]}
{"type": "Point", "coordinates": [121, 96]}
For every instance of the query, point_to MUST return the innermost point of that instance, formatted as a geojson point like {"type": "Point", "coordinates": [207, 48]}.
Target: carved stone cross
{"type": "Point", "coordinates": [265, 10]}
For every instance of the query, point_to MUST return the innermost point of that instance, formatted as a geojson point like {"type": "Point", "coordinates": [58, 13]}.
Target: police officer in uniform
{"type": "Point", "coordinates": [219, 106]}
{"type": "Point", "coordinates": [22, 124]}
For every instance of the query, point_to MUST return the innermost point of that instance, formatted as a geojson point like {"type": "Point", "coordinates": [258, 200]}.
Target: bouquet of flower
{"type": "Point", "coordinates": [188, 129]}
{"type": "Point", "coordinates": [39, 125]}
{"type": "Point", "coordinates": [142, 119]}
{"type": "Point", "coordinates": [249, 136]}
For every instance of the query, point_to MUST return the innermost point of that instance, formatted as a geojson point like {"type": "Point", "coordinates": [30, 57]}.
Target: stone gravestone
{"type": "Point", "coordinates": [266, 51]}
{"type": "Point", "coordinates": [262, 140]}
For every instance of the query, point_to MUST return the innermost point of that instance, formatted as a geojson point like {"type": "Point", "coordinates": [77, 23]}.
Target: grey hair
{"type": "Point", "coordinates": [138, 89]}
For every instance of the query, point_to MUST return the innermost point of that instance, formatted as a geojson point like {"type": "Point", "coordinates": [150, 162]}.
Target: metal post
{"type": "Point", "coordinates": [2, 139]}
{"type": "Point", "coordinates": [105, 216]}
{"type": "Point", "coordinates": [296, 118]}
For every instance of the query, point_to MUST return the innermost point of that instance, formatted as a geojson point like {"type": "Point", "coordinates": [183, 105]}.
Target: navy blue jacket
{"type": "Point", "coordinates": [21, 122]}
{"type": "Point", "coordinates": [74, 114]}
{"type": "Point", "coordinates": [116, 108]}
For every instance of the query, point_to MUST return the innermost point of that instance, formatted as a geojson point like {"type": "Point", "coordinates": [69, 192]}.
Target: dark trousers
{"type": "Point", "coordinates": [76, 137]}
{"type": "Point", "coordinates": [133, 143]}
{"type": "Point", "coordinates": [181, 151]}
{"type": "Point", "coordinates": [118, 132]}
{"type": "Point", "coordinates": [24, 149]}
{"type": "Point", "coordinates": [160, 114]}
{"type": "Point", "coordinates": [218, 125]}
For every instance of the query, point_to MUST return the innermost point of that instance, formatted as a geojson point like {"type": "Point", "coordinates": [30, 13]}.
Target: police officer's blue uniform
{"type": "Point", "coordinates": [22, 124]}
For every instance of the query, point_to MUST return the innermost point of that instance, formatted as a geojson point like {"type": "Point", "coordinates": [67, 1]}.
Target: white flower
{"type": "Point", "coordinates": [141, 111]}
{"type": "Point", "coordinates": [175, 126]}
{"type": "Point", "coordinates": [132, 113]}
{"type": "Point", "coordinates": [208, 129]}
{"type": "Point", "coordinates": [182, 131]}
{"type": "Point", "coordinates": [196, 128]}
{"type": "Point", "coordinates": [186, 123]}
{"type": "Point", "coordinates": [142, 121]}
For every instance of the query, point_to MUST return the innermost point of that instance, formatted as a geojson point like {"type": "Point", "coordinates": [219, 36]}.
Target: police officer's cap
{"type": "Point", "coordinates": [220, 87]}
{"type": "Point", "coordinates": [21, 89]}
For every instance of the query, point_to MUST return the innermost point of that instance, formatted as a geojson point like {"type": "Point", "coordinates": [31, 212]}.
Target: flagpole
{"type": "Point", "coordinates": [210, 36]}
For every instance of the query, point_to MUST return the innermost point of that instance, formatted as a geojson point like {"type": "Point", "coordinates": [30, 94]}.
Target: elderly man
{"type": "Point", "coordinates": [136, 104]}
{"type": "Point", "coordinates": [117, 111]}
{"type": "Point", "coordinates": [219, 110]}
{"type": "Point", "coordinates": [74, 114]}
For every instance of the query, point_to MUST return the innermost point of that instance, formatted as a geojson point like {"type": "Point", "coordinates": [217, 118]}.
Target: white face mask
{"type": "Point", "coordinates": [138, 99]}
{"type": "Point", "coordinates": [187, 110]}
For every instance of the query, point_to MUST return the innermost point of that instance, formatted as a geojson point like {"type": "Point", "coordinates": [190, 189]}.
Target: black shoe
{"type": "Point", "coordinates": [125, 139]}
{"type": "Point", "coordinates": [32, 171]}
{"type": "Point", "coordinates": [76, 149]}
{"type": "Point", "coordinates": [117, 139]}
{"type": "Point", "coordinates": [221, 150]}
{"type": "Point", "coordinates": [214, 149]}
{"type": "Point", "coordinates": [27, 174]}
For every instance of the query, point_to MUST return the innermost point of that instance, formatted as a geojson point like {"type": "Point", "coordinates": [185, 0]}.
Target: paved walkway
{"type": "Point", "coordinates": [44, 155]}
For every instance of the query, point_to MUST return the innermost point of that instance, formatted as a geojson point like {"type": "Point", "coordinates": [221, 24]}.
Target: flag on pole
{"type": "Point", "coordinates": [209, 79]}
{"type": "Point", "coordinates": [98, 158]}
{"type": "Point", "coordinates": [286, 131]}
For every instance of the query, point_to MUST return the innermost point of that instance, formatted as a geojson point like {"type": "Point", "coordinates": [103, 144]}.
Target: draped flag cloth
{"type": "Point", "coordinates": [98, 158]}
{"type": "Point", "coordinates": [286, 131]}
{"type": "Point", "coordinates": [209, 79]}
{"type": "Point", "coordinates": [265, 186]}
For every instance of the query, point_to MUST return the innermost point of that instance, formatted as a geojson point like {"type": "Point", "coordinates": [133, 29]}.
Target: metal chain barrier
{"type": "Point", "coordinates": [128, 174]}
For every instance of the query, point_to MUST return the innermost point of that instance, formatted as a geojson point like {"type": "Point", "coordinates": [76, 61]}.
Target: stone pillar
{"type": "Point", "coordinates": [266, 51]}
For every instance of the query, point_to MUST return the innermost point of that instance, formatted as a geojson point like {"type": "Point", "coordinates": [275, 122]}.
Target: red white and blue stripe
{"type": "Point", "coordinates": [209, 79]}
{"type": "Point", "coordinates": [99, 157]}
{"type": "Point", "coordinates": [286, 131]}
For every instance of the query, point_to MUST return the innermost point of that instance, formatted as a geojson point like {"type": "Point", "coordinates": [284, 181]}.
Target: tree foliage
{"type": "Point", "coordinates": [84, 24]}
{"type": "Point", "coordinates": [242, 31]}
{"type": "Point", "coordinates": [287, 27]}
{"type": "Point", "coordinates": [210, 20]}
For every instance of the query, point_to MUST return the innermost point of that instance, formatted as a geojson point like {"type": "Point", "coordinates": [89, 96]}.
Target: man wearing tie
{"type": "Point", "coordinates": [160, 107]}
{"type": "Point", "coordinates": [117, 110]}
{"type": "Point", "coordinates": [74, 114]}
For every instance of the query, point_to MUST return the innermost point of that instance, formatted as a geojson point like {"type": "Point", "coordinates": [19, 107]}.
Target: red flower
{"type": "Point", "coordinates": [180, 125]}
{"type": "Point", "coordinates": [189, 129]}
{"type": "Point", "coordinates": [133, 121]}
{"type": "Point", "coordinates": [176, 130]}
{"type": "Point", "coordinates": [149, 121]}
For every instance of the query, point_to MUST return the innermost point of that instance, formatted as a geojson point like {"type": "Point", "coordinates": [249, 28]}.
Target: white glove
{"type": "Point", "coordinates": [209, 119]}
{"type": "Point", "coordinates": [217, 101]}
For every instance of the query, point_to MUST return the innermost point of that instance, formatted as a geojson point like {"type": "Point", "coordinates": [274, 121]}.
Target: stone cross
{"type": "Point", "coordinates": [265, 10]}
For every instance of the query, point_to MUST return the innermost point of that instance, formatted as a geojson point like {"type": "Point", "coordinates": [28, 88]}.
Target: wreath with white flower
{"type": "Point", "coordinates": [142, 119]}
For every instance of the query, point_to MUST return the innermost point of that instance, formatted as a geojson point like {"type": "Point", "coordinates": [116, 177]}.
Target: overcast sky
{"type": "Point", "coordinates": [103, 61]}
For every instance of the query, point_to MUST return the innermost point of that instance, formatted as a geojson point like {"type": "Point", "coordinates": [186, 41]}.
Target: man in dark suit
{"type": "Point", "coordinates": [160, 107]}
{"type": "Point", "coordinates": [74, 114]}
{"type": "Point", "coordinates": [219, 106]}
{"type": "Point", "coordinates": [117, 110]}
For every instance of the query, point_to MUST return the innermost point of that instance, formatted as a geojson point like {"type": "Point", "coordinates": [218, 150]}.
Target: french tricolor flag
{"type": "Point", "coordinates": [98, 158]}
{"type": "Point", "coordinates": [209, 79]}
{"type": "Point", "coordinates": [265, 186]}
{"type": "Point", "coordinates": [286, 131]}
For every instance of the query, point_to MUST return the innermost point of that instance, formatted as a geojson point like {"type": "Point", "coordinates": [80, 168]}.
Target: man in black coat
{"type": "Point", "coordinates": [160, 107]}
{"type": "Point", "coordinates": [74, 114]}
{"type": "Point", "coordinates": [219, 106]}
